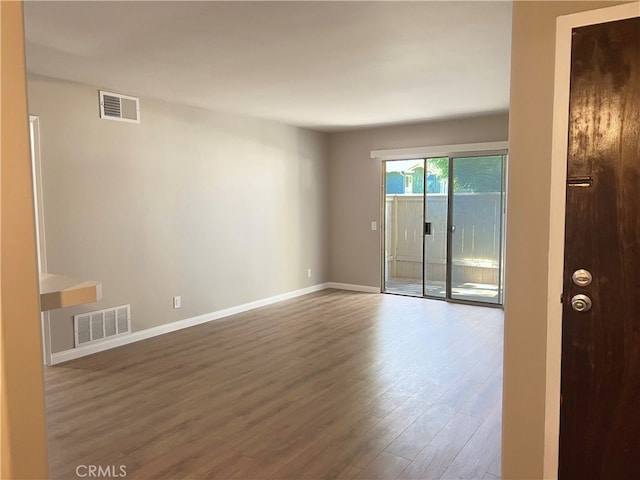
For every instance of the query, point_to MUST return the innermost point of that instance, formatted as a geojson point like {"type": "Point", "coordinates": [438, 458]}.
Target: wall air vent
{"type": "Point", "coordinates": [114, 106]}
{"type": "Point", "coordinates": [93, 327]}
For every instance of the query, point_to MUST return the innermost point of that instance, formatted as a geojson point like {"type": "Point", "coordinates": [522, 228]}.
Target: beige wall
{"type": "Point", "coordinates": [530, 135]}
{"type": "Point", "coordinates": [220, 209]}
{"type": "Point", "coordinates": [23, 450]}
{"type": "Point", "coordinates": [356, 185]}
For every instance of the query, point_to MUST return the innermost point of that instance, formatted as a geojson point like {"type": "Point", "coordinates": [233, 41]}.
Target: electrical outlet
{"type": "Point", "coordinates": [308, 273]}
{"type": "Point", "coordinates": [177, 302]}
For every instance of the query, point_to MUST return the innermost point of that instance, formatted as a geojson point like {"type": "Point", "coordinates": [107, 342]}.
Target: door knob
{"type": "Point", "coordinates": [581, 303]}
{"type": "Point", "coordinates": [582, 277]}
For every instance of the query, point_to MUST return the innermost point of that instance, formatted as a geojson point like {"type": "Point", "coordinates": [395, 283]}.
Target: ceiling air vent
{"type": "Point", "coordinates": [114, 106]}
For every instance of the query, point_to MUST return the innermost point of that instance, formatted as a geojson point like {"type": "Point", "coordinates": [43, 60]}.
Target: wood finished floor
{"type": "Point", "coordinates": [330, 385]}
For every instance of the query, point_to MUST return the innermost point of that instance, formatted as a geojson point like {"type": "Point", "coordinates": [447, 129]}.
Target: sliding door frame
{"type": "Point", "coordinates": [383, 225]}
{"type": "Point", "coordinates": [446, 246]}
{"type": "Point", "coordinates": [452, 152]}
{"type": "Point", "coordinates": [450, 227]}
{"type": "Point", "coordinates": [503, 154]}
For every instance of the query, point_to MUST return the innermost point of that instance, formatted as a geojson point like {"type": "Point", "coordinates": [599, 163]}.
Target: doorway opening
{"type": "Point", "coordinates": [443, 221]}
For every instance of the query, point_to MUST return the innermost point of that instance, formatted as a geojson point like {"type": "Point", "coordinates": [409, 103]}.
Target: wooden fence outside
{"type": "Point", "coordinates": [476, 242]}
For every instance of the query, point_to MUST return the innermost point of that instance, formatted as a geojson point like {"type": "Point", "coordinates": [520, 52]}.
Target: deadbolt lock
{"type": "Point", "coordinates": [581, 303]}
{"type": "Point", "coordinates": [582, 277]}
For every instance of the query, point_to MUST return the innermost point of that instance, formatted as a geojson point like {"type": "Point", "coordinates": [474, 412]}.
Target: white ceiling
{"type": "Point", "coordinates": [324, 65]}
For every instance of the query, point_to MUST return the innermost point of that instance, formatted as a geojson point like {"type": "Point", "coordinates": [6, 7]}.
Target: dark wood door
{"type": "Point", "coordinates": [600, 406]}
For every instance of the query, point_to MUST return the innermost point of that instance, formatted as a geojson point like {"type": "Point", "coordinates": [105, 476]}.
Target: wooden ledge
{"type": "Point", "coordinates": [57, 291]}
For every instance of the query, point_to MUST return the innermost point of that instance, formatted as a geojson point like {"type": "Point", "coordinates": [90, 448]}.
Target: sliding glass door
{"type": "Point", "coordinates": [444, 227]}
{"type": "Point", "coordinates": [403, 225]}
{"type": "Point", "coordinates": [436, 206]}
{"type": "Point", "coordinates": [476, 228]}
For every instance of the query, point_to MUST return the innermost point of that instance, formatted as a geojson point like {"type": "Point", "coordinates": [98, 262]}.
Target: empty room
{"type": "Point", "coordinates": [314, 240]}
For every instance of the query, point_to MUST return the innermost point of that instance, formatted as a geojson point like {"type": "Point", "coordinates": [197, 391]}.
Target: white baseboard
{"type": "Point", "coordinates": [355, 288]}
{"type": "Point", "coordinates": [74, 353]}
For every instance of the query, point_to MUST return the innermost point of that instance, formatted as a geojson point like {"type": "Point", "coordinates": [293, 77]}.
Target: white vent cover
{"type": "Point", "coordinates": [114, 106]}
{"type": "Point", "coordinates": [93, 327]}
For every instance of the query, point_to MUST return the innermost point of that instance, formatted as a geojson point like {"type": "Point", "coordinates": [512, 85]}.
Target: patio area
{"type": "Point", "coordinates": [468, 291]}
{"type": "Point", "coordinates": [473, 262]}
